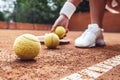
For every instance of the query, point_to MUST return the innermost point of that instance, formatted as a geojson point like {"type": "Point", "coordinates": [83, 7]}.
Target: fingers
{"type": "Point", "coordinates": [61, 21]}
{"type": "Point", "coordinates": [52, 29]}
{"type": "Point", "coordinates": [57, 22]}
{"type": "Point", "coordinates": [66, 26]}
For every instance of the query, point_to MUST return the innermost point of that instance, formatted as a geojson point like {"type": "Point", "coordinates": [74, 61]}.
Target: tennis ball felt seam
{"type": "Point", "coordinates": [60, 31]}
{"type": "Point", "coordinates": [25, 47]}
{"type": "Point", "coordinates": [30, 39]}
{"type": "Point", "coordinates": [52, 40]}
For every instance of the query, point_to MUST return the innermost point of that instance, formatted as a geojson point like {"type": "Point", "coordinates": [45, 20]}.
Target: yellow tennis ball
{"type": "Point", "coordinates": [51, 40]}
{"type": "Point", "coordinates": [27, 46]}
{"type": "Point", "coordinates": [60, 31]}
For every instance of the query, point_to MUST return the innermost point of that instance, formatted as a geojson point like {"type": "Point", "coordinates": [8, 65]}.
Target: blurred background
{"type": "Point", "coordinates": [34, 11]}
{"type": "Point", "coordinates": [41, 14]}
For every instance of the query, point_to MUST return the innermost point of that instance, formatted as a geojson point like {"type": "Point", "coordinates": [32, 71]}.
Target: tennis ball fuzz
{"type": "Point", "coordinates": [60, 31]}
{"type": "Point", "coordinates": [51, 40]}
{"type": "Point", "coordinates": [26, 46]}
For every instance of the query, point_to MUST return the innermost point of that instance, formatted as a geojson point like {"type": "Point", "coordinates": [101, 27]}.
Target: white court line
{"type": "Point", "coordinates": [95, 71]}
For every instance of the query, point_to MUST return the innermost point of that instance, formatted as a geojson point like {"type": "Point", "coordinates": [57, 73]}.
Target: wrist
{"type": "Point", "coordinates": [68, 9]}
{"type": "Point", "coordinates": [63, 15]}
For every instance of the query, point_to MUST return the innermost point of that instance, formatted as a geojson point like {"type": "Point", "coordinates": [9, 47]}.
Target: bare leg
{"type": "Point", "coordinates": [93, 35]}
{"type": "Point", "coordinates": [97, 8]}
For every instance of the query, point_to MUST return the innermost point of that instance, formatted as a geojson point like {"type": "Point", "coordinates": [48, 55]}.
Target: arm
{"type": "Point", "coordinates": [65, 14]}
{"type": "Point", "coordinates": [69, 8]}
{"type": "Point", "coordinates": [75, 2]}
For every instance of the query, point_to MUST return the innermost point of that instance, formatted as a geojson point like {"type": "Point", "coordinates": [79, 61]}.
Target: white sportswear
{"type": "Point", "coordinates": [68, 9]}
{"type": "Point", "coordinates": [91, 37]}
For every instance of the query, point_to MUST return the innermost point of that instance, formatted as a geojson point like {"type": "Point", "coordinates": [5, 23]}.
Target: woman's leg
{"type": "Point", "coordinates": [97, 8]}
{"type": "Point", "coordinates": [93, 35]}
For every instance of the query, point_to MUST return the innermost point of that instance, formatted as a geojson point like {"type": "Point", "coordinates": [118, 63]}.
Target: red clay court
{"type": "Point", "coordinates": [58, 63]}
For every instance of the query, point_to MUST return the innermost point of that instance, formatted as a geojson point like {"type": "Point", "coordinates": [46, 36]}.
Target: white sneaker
{"type": "Point", "coordinates": [91, 37]}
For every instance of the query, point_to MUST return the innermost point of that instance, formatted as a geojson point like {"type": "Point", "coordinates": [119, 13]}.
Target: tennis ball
{"type": "Point", "coordinates": [60, 31]}
{"type": "Point", "coordinates": [26, 46]}
{"type": "Point", "coordinates": [51, 40]}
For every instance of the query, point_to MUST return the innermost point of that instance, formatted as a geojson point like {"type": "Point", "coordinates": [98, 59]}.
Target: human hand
{"type": "Point", "coordinates": [61, 21]}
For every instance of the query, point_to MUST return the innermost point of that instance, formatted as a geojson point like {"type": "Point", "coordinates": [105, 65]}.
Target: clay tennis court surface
{"type": "Point", "coordinates": [54, 64]}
